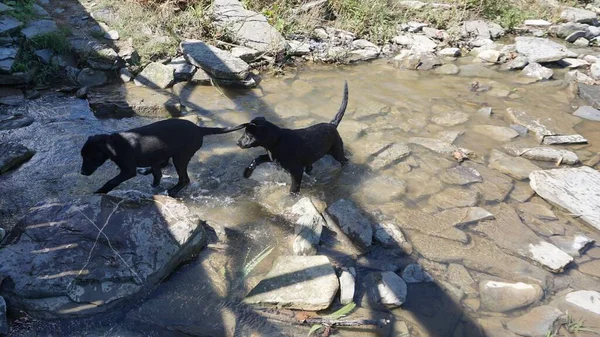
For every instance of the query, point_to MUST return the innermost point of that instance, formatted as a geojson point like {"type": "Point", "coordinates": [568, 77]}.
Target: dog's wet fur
{"type": "Point", "coordinates": [295, 150]}
{"type": "Point", "coordinates": [148, 146]}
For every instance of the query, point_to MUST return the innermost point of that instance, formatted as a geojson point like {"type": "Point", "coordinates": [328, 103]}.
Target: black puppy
{"type": "Point", "coordinates": [295, 150]}
{"type": "Point", "coordinates": [148, 146]}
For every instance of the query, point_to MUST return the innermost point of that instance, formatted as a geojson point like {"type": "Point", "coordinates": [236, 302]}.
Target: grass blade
{"type": "Point", "coordinates": [314, 329]}
{"type": "Point", "coordinates": [256, 260]}
{"type": "Point", "coordinates": [344, 311]}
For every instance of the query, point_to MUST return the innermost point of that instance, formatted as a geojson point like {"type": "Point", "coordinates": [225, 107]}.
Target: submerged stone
{"type": "Point", "coordinates": [503, 296]}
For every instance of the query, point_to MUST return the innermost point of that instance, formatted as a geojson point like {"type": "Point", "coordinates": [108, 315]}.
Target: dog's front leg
{"type": "Point", "coordinates": [296, 180]}
{"type": "Point", "coordinates": [254, 164]}
{"type": "Point", "coordinates": [116, 181]}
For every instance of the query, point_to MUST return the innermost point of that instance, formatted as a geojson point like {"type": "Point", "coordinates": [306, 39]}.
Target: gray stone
{"type": "Point", "coordinates": [517, 63]}
{"type": "Point", "coordinates": [39, 27]}
{"type": "Point", "coordinates": [481, 30]}
{"type": "Point", "coordinates": [422, 44]}
{"type": "Point", "coordinates": [361, 55]}
{"type": "Point", "coordinates": [391, 290]}
{"type": "Point", "coordinates": [298, 48]}
{"type": "Point", "coordinates": [250, 81]}
{"type": "Point", "coordinates": [8, 24]}
{"type": "Point", "coordinates": [590, 93]}
{"type": "Point", "coordinates": [297, 282]}
{"type": "Point", "coordinates": [98, 55]}
{"type": "Point", "coordinates": [591, 268]}
{"type": "Point", "coordinates": [575, 189]}
{"type": "Point", "coordinates": [45, 55]}
{"type": "Point", "coordinates": [13, 155]}
{"type": "Point", "coordinates": [537, 210]}
{"type": "Point", "coordinates": [308, 228]}
{"type": "Point", "coordinates": [566, 139]}
{"type": "Point", "coordinates": [39, 11]}
{"type": "Point", "coordinates": [592, 32]}
{"type": "Point", "coordinates": [3, 319]}
{"type": "Point", "coordinates": [487, 111]}
{"type": "Point", "coordinates": [5, 8]}
{"type": "Point", "coordinates": [450, 52]}
{"type": "Point", "coordinates": [573, 245]}
{"type": "Point", "coordinates": [389, 235]}
{"type": "Point", "coordinates": [347, 285]}
{"type": "Point", "coordinates": [454, 197]}
{"type": "Point", "coordinates": [447, 69]}
{"type": "Point", "coordinates": [578, 15]}
{"type": "Point", "coordinates": [489, 56]}
{"type": "Point", "coordinates": [566, 29]}
{"type": "Point", "coordinates": [15, 122]}
{"type": "Point", "coordinates": [545, 154]}
{"type": "Point", "coordinates": [537, 322]}
{"type": "Point", "coordinates": [510, 233]}
{"type": "Point", "coordinates": [544, 123]}
{"type": "Point", "coordinates": [245, 53]}
{"type": "Point", "coordinates": [588, 112]}
{"type": "Point", "coordinates": [573, 63]}
{"type": "Point", "coordinates": [537, 23]}
{"type": "Point", "coordinates": [518, 168]}
{"type": "Point", "coordinates": [201, 77]}
{"type": "Point", "coordinates": [18, 78]}
{"type": "Point", "coordinates": [219, 63]}
{"type": "Point", "coordinates": [575, 35]}
{"type": "Point", "coordinates": [145, 237]}
{"type": "Point", "coordinates": [451, 118]}
{"type": "Point", "coordinates": [106, 15]}
{"type": "Point", "coordinates": [414, 273]}
{"type": "Point", "coordinates": [247, 28]}
{"type": "Point", "coordinates": [65, 60]}
{"type": "Point", "coordinates": [499, 133]}
{"type": "Point", "coordinates": [541, 50]}
{"type": "Point", "coordinates": [156, 75]}
{"type": "Point", "coordinates": [460, 175]}
{"type": "Point", "coordinates": [388, 154]}
{"type": "Point", "coordinates": [595, 71]}
{"type": "Point", "coordinates": [521, 130]}
{"type": "Point", "coordinates": [503, 296]}
{"type": "Point", "coordinates": [581, 42]}
{"type": "Point", "coordinates": [125, 75]}
{"type": "Point", "coordinates": [112, 35]}
{"type": "Point", "coordinates": [435, 145]}
{"type": "Point", "coordinates": [436, 34]}
{"type": "Point", "coordinates": [91, 78]}
{"type": "Point", "coordinates": [585, 299]}
{"type": "Point", "coordinates": [182, 70]}
{"type": "Point", "coordinates": [352, 222]}
{"type": "Point", "coordinates": [459, 276]}
{"type": "Point", "coordinates": [537, 71]}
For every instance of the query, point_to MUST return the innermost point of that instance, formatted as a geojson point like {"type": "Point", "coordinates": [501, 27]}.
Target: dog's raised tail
{"type": "Point", "coordinates": [217, 131]}
{"type": "Point", "coordinates": [340, 114]}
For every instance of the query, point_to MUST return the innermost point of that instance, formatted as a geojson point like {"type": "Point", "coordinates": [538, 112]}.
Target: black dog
{"type": "Point", "coordinates": [295, 150]}
{"type": "Point", "coordinates": [148, 146]}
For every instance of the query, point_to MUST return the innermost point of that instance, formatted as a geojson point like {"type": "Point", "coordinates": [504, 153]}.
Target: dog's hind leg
{"type": "Point", "coordinates": [116, 181]}
{"type": "Point", "coordinates": [296, 180]}
{"type": "Point", "coordinates": [337, 151]}
{"type": "Point", "coordinates": [254, 164]}
{"type": "Point", "coordinates": [181, 164]}
{"type": "Point", "coordinates": [157, 174]}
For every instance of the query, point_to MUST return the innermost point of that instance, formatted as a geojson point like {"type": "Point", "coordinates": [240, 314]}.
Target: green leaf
{"type": "Point", "coordinates": [344, 311]}
{"type": "Point", "coordinates": [314, 329]}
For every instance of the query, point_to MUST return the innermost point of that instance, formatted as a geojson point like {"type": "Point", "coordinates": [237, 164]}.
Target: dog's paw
{"type": "Point", "coordinates": [155, 185]}
{"type": "Point", "coordinates": [100, 191]}
{"type": "Point", "coordinates": [248, 172]}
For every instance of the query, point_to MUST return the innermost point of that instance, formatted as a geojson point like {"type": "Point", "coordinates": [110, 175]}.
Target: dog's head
{"type": "Point", "coordinates": [96, 150]}
{"type": "Point", "coordinates": [259, 132]}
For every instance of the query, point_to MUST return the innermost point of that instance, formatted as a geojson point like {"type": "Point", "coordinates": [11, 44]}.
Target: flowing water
{"type": "Point", "coordinates": [386, 105]}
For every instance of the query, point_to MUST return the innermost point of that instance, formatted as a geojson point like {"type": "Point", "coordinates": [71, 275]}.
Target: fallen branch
{"type": "Point", "coordinates": [291, 318]}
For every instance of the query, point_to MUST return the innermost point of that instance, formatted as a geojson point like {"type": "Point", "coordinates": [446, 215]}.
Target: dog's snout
{"type": "Point", "coordinates": [85, 173]}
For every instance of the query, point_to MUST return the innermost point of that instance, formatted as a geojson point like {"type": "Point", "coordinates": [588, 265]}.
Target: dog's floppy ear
{"type": "Point", "coordinates": [107, 146]}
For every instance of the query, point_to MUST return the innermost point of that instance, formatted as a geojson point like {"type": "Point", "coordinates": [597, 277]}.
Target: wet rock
{"type": "Point", "coordinates": [156, 75]}
{"type": "Point", "coordinates": [544, 123]}
{"type": "Point", "coordinates": [8, 24]}
{"type": "Point", "coordinates": [449, 135]}
{"type": "Point", "coordinates": [590, 93]}
{"type": "Point", "coordinates": [573, 63]}
{"type": "Point", "coordinates": [428, 62]}
{"type": "Point", "coordinates": [455, 197]}
{"type": "Point", "coordinates": [391, 290]}
{"type": "Point", "coordinates": [435, 145]}
{"type": "Point", "coordinates": [125, 75]}
{"type": "Point", "coordinates": [521, 130]}
{"type": "Point", "coordinates": [308, 228]}
{"type": "Point", "coordinates": [352, 222]}
{"type": "Point", "coordinates": [477, 70]}
{"type": "Point", "coordinates": [510, 233]}
{"type": "Point", "coordinates": [567, 139]}
{"type": "Point", "coordinates": [578, 15]}
{"type": "Point", "coordinates": [361, 55]}
{"type": "Point", "coordinates": [382, 189]}
{"type": "Point", "coordinates": [494, 327]}
{"type": "Point", "coordinates": [518, 168]}
{"type": "Point", "coordinates": [347, 285]}
{"type": "Point", "coordinates": [460, 175]}
{"type": "Point", "coordinates": [447, 69]}
{"type": "Point", "coordinates": [489, 56]}
{"type": "Point", "coordinates": [298, 48]}
{"type": "Point", "coordinates": [575, 35]}
{"type": "Point", "coordinates": [14, 121]}
{"type": "Point", "coordinates": [247, 28]}
{"type": "Point", "coordinates": [537, 210]}
{"type": "Point", "coordinates": [201, 77]}
{"type": "Point", "coordinates": [182, 70]}
{"type": "Point", "coordinates": [297, 282]}
{"type": "Point", "coordinates": [517, 63]}
{"type": "Point", "coordinates": [91, 78]}
{"type": "Point", "coordinates": [502, 296]}
{"type": "Point", "coordinates": [389, 235]}
{"type": "Point", "coordinates": [565, 29]}
{"type": "Point", "coordinates": [387, 155]}
{"type": "Point", "coordinates": [219, 63]}
{"type": "Point", "coordinates": [82, 93]}
{"type": "Point", "coordinates": [574, 189]}
{"type": "Point", "coordinates": [13, 155]}
{"type": "Point", "coordinates": [39, 27]}
{"type": "Point", "coordinates": [3, 320]}
{"type": "Point", "coordinates": [585, 299]}
{"type": "Point", "coordinates": [579, 78]}
{"type": "Point", "coordinates": [159, 231]}
{"type": "Point", "coordinates": [545, 154]}
{"type": "Point", "coordinates": [537, 322]}
{"type": "Point", "coordinates": [414, 273]}
{"type": "Point", "coordinates": [499, 133]}
{"type": "Point", "coordinates": [541, 50]}
{"type": "Point", "coordinates": [459, 276]}
{"type": "Point", "coordinates": [449, 52]}
{"type": "Point", "coordinates": [246, 54]}
{"type": "Point", "coordinates": [452, 118]}
{"type": "Point", "coordinates": [537, 71]}
{"type": "Point", "coordinates": [573, 245]}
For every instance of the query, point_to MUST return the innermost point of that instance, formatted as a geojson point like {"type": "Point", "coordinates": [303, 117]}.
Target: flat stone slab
{"type": "Point", "coordinates": [435, 145]}
{"type": "Point", "coordinates": [544, 154]}
{"type": "Point", "coordinates": [575, 189]}
{"type": "Point", "coordinates": [39, 27]}
{"type": "Point", "coordinates": [585, 299]}
{"type": "Point", "coordinates": [308, 228]}
{"type": "Point", "coordinates": [388, 155]}
{"type": "Point", "coordinates": [297, 282]}
{"type": "Point", "coordinates": [499, 133]}
{"type": "Point", "coordinates": [588, 112]}
{"type": "Point", "coordinates": [247, 28]}
{"type": "Point", "coordinates": [518, 168]}
{"type": "Point", "coordinates": [97, 55]}
{"type": "Point", "coordinates": [590, 93]}
{"type": "Point", "coordinates": [13, 155]}
{"type": "Point", "coordinates": [156, 75]}
{"type": "Point", "coordinates": [508, 232]}
{"type": "Point", "coordinates": [544, 123]}
{"type": "Point", "coordinates": [537, 322]}
{"type": "Point", "coordinates": [503, 296]}
{"type": "Point", "coordinates": [218, 63]}
{"type": "Point", "coordinates": [8, 24]}
{"type": "Point", "coordinates": [565, 139]}
{"type": "Point", "coordinates": [14, 122]}
{"type": "Point", "coordinates": [542, 50]}
{"type": "Point", "coordinates": [352, 222]}
{"type": "Point", "coordinates": [96, 253]}
{"type": "Point", "coordinates": [578, 15]}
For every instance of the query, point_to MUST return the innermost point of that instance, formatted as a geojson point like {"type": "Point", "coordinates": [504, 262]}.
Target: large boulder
{"type": "Point", "coordinates": [12, 155]}
{"type": "Point", "coordinates": [246, 27]}
{"type": "Point", "coordinates": [66, 259]}
{"type": "Point", "coordinates": [218, 63]}
{"type": "Point", "coordinates": [541, 50]}
{"type": "Point", "coordinates": [578, 15]}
